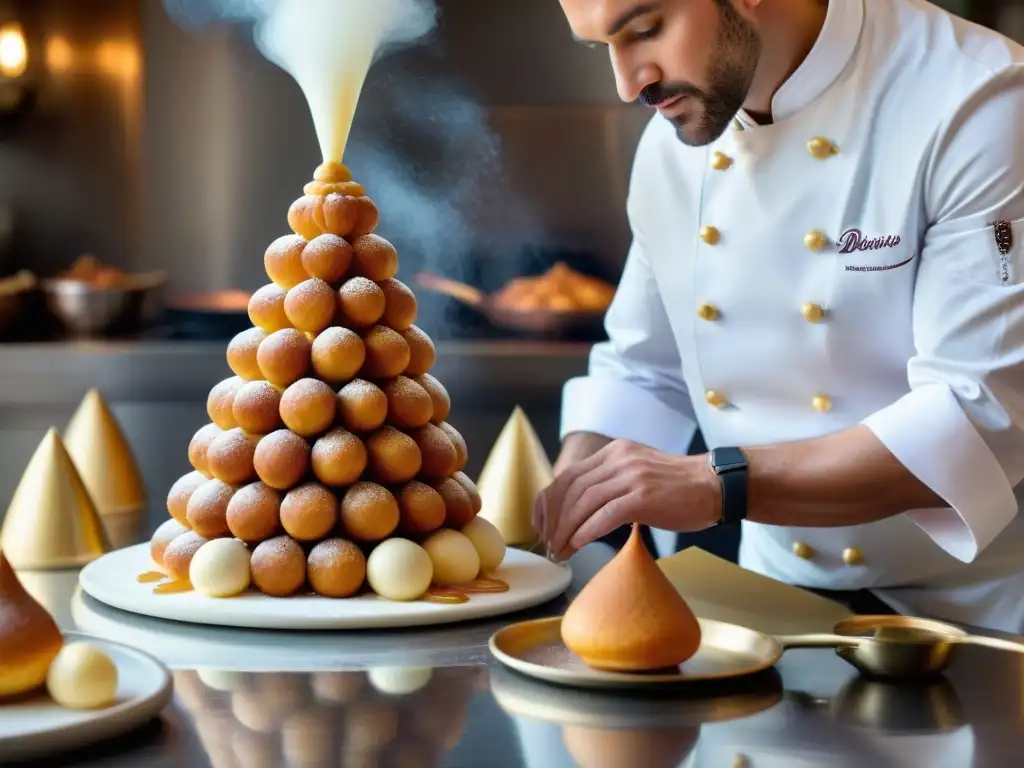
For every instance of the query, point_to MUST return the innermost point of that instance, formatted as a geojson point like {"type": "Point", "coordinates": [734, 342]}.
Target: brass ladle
{"type": "Point", "coordinates": [896, 646]}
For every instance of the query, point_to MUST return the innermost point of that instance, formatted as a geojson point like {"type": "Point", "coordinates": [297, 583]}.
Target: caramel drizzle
{"type": "Point", "coordinates": [445, 596]}
{"type": "Point", "coordinates": [485, 586]}
{"type": "Point", "coordinates": [455, 596]}
{"type": "Point", "coordinates": [150, 576]}
{"type": "Point", "coordinates": [171, 587]}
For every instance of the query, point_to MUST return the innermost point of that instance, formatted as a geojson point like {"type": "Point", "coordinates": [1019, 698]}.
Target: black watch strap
{"type": "Point", "coordinates": [731, 467]}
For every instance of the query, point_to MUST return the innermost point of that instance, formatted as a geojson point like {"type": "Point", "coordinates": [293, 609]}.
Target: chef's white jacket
{"type": "Point", "coordinates": [858, 261]}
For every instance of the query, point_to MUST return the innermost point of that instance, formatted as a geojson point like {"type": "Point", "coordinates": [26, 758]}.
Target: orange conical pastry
{"type": "Point", "coordinates": [630, 618]}
{"type": "Point", "coordinates": [29, 637]}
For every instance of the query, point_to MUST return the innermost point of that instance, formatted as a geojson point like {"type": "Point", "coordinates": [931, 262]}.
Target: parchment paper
{"type": "Point", "coordinates": [717, 589]}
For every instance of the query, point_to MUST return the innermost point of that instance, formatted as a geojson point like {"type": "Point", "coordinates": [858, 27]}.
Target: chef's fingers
{"type": "Point", "coordinates": [599, 487]}
{"type": "Point", "coordinates": [616, 513]}
{"type": "Point", "coordinates": [554, 495]}
{"type": "Point", "coordinates": [555, 506]}
{"type": "Point", "coordinates": [598, 468]}
{"type": "Point", "coordinates": [538, 513]}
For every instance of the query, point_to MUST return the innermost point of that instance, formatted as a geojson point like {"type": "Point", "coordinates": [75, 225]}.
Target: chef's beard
{"type": "Point", "coordinates": [730, 75]}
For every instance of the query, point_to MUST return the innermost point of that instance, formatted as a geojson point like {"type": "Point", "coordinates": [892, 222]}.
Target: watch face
{"type": "Point", "coordinates": [727, 458]}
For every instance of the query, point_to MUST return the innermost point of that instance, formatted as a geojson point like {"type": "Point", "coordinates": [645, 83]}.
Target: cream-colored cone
{"type": "Point", "coordinates": [52, 522]}
{"type": "Point", "coordinates": [516, 470]}
{"type": "Point", "coordinates": [103, 458]}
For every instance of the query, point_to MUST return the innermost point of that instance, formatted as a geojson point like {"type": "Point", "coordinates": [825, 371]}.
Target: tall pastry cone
{"type": "Point", "coordinates": [51, 522]}
{"type": "Point", "coordinates": [629, 617]}
{"type": "Point", "coordinates": [516, 470]}
{"type": "Point", "coordinates": [103, 458]}
{"type": "Point", "coordinates": [29, 637]}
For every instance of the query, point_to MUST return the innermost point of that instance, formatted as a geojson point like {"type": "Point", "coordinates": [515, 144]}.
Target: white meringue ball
{"type": "Point", "coordinates": [488, 541]}
{"type": "Point", "coordinates": [224, 680]}
{"type": "Point", "coordinates": [82, 677]}
{"type": "Point", "coordinates": [454, 557]}
{"type": "Point", "coordinates": [220, 568]}
{"type": "Point", "coordinates": [399, 569]}
{"type": "Point", "coordinates": [399, 681]}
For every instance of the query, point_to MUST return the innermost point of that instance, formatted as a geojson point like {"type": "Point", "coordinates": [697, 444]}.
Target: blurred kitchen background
{"type": "Point", "coordinates": [170, 154]}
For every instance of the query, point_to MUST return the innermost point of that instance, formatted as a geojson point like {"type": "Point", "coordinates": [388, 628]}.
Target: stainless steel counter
{"type": "Point", "coordinates": [265, 698]}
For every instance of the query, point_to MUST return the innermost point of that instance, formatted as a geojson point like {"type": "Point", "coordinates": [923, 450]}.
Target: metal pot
{"type": "Point", "coordinates": [86, 310]}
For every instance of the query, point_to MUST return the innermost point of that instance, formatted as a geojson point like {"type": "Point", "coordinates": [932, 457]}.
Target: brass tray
{"type": "Point", "coordinates": [886, 647]}
{"type": "Point", "coordinates": [535, 648]}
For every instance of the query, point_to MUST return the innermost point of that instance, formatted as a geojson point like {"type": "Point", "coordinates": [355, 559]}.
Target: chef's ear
{"type": "Point", "coordinates": [748, 4]}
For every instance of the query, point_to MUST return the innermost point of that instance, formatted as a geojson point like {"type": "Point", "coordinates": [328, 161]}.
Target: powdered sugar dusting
{"type": "Point", "coordinates": [310, 292]}
{"type": "Point", "coordinates": [409, 404]}
{"type": "Point", "coordinates": [231, 447]}
{"type": "Point", "coordinates": [277, 549]}
{"type": "Point", "coordinates": [212, 493]}
{"type": "Point", "coordinates": [247, 342]}
{"type": "Point", "coordinates": [360, 388]}
{"type": "Point", "coordinates": [281, 444]}
{"type": "Point", "coordinates": [362, 287]}
{"type": "Point", "coordinates": [338, 440]}
{"type": "Point", "coordinates": [258, 395]}
{"type": "Point", "coordinates": [364, 493]}
{"type": "Point", "coordinates": [438, 394]}
{"type": "Point", "coordinates": [308, 495]}
{"type": "Point", "coordinates": [186, 545]}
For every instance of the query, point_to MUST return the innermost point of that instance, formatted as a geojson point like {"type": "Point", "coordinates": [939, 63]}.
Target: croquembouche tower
{"type": "Point", "coordinates": [331, 441]}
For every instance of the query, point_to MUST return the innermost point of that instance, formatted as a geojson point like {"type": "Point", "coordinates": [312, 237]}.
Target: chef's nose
{"type": "Point", "coordinates": [632, 77]}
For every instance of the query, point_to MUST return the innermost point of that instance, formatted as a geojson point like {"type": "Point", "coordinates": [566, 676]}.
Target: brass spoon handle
{"type": "Point", "coordinates": [823, 640]}
{"type": "Point", "coordinates": [994, 642]}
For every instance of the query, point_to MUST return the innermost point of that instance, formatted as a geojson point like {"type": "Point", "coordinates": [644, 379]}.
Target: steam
{"type": "Point", "coordinates": [327, 46]}
{"type": "Point", "coordinates": [421, 145]}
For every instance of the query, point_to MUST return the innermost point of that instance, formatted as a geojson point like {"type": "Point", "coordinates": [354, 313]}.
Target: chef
{"type": "Point", "coordinates": [826, 278]}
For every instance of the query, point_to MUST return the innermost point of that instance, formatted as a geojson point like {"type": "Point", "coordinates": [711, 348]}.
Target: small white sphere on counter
{"type": "Point", "coordinates": [224, 680]}
{"type": "Point", "coordinates": [399, 681]}
{"type": "Point", "coordinates": [487, 540]}
{"type": "Point", "coordinates": [399, 569]}
{"type": "Point", "coordinates": [220, 568]}
{"type": "Point", "coordinates": [82, 677]}
{"type": "Point", "coordinates": [454, 557]}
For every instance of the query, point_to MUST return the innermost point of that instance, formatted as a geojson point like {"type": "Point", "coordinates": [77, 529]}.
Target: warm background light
{"type": "Point", "coordinates": [118, 58]}
{"type": "Point", "coordinates": [13, 52]}
{"type": "Point", "coordinates": [59, 55]}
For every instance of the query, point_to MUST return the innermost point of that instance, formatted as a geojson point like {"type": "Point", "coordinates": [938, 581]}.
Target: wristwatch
{"type": "Point", "coordinates": [731, 467]}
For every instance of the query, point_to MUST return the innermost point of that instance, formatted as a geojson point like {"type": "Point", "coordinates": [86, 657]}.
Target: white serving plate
{"type": "Point", "coordinates": [37, 726]}
{"type": "Point", "coordinates": [111, 579]}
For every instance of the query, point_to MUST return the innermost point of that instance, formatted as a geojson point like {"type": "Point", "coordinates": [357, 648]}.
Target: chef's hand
{"type": "Point", "coordinates": [623, 483]}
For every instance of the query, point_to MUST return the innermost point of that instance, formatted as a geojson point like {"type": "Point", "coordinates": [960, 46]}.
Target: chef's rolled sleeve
{"type": "Point", "coordinates": [960, 429]}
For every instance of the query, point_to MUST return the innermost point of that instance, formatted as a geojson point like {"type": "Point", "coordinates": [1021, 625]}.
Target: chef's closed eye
{"type": "Point", "coordinates": [646, 31]}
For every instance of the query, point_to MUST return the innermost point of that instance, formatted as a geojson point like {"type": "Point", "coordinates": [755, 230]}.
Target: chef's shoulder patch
{"type": "Point", "coordinates": [1005, 236]}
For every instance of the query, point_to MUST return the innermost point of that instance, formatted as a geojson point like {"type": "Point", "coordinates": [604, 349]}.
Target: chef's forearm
{"type": "Point", "coordinates": [849, 478]}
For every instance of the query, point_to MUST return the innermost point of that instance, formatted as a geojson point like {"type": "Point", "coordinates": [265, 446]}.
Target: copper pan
{"type": "Point", "coordinates": [540, 322]}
